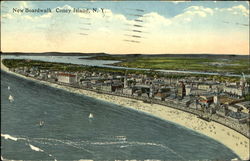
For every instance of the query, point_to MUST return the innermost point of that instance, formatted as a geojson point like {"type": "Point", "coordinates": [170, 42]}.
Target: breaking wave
{"type": "Point", "coordinates": [119, 141]}
{"type": "Point", "coordinates": [32, 147]}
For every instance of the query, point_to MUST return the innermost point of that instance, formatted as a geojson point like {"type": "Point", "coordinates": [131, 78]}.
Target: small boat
{"type": "Point", "coordinates": [11, 99]}
{"type": "Point", "coordinates": [41, 123]}
{"type": "Point", "coordinates": [91, 116]}
{"type": "Point", "coordinates": [8, 87]}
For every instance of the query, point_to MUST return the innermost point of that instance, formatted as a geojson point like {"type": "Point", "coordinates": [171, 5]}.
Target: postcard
{"type": "Point", "coordinates": [125, 80]}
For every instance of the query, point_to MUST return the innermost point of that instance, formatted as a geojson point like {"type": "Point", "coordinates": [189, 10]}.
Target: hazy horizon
{"type": "Point", "coordinates": [126, 27]}
{"type": "Point", "coordinates": [51, 52]}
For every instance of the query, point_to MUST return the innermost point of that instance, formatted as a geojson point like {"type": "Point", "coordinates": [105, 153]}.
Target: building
{"type": "Point", "coordinates": [238, 117]}
{"type": "Point", "coordinates": [234, 108]}
{"type": "Point", "coordinates": [127, 91]}
{"type": "Point", "coordinates": [125, 83]}
{"type": "Point", "coordinates": [222, 111]}
{"type": "Point", "coordinates": [216, 100]}
{"type": "Point", "coordinates": [146, 95]}
{"type": "Point", "coordinates": [160, 96]}
{"type": "Point", "coordinates": [181, 92]}
{"type": "Point", "coordinates": [234, 90]}
{"type": "Point", "coordinates": [106, 88]}
{"type": "Point", "coordinates": [86, 83]}
{"type": "Point", "coordinates": [137, 93]}
{"type": "Point", "coordinates": [205, 87]}
{"type": "Point", "coordinates": [188, 90]}
{"type": "Point", "coordinates": [185, 102]}
{"type": "Point", "coordinates": [245, 106]}
{"type": "Point", "coordinates": [206, 100]}
{"type": "Point", "coordinates": [66, 78]}
{"type": "Point", "coordinates": [111, 87]}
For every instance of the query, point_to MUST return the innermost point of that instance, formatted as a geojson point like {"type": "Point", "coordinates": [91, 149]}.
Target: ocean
{"type": "Point", "coordinates": [114, 132]}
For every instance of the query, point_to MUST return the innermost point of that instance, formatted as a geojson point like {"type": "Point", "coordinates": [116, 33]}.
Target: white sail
{"type": "Point", "coordinates": [41, 123]}
{"type": "Point", "coordinates": [11, 99]}
{"type": "Point", "coordinates": [91, 116]}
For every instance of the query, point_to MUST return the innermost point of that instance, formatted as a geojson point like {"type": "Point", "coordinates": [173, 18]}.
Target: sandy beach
{"type": "Point", "coordinates": [230, 138]}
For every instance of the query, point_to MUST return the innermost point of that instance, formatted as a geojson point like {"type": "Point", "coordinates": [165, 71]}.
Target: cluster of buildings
{"type": "Point", "coordinates": [225, 99]}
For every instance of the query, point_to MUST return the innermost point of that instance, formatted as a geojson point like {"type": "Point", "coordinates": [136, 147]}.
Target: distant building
{"type": "Point", "coordinates": [107, 88]}
{"type": "Point", "coordinates": [216, 100]}
{"type": "Point", "coordinates": [206, 87]}
{"type": "Point", "coordinates": [206, 100]}
{"type": "Point", "coordinates": [137, 93]}
{"type": "Point", "coordinates": [245, 106]}
{"type": "Point", "coordinates": [160, 96]}
{"type": "Point", "coordinates": [185, 102]}
{"type": "Point", "coordinates": [127, 91]}
{"type": "Point", "coordinates": [222, 111]}
{"type": "Point", "coordinates": [125, 82]}
{"type": "Point", "coordinates": [86, 83]}
{"type": "Point", "coordinates": [194, 105]}
{"type": "Point", "coordinates": [66, 78]}
{"type": "Point", "coordinates": [146, 95]}
{"type": "Point", "coordinates": [234, 90]}
{"type": "Point", "coordinates": [188, 90]}
{"type": "Point", "coordinates": [234, 108]}
{"type": "Point", "coordinates": [181, 92]}
{"type": "Point", "coordinates": [112, 87]}
{"type": "Point", "coordinates": [238, 117]}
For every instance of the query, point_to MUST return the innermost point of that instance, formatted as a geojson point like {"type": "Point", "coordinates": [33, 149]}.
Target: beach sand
{"type": "Point", "coordinates": [230, 138]}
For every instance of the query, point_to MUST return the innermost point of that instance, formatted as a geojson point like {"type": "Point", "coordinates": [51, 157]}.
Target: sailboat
{"type": "Point", "coordinates": [91, 116]}
{"type": "Point", "coordinates": [11, 99]}
{"type": "Point", "coordinates": [41, 123]}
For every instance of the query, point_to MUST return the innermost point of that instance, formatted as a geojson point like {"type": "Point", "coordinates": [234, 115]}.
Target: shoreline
{"type": "Point", "coordinates": [235, 141]}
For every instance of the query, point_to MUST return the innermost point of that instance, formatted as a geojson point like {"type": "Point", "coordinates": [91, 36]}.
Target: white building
{"type": "Point", "coordinates": [206, 87]}
{"type": "Point", "coordinates": [127, 91]}
{"type": "Point", "coordinates": [188, 90]}
{"type": "Point", "coordinates": [233, 90]}
{"type": "Point", "coordinates": [66, 78]}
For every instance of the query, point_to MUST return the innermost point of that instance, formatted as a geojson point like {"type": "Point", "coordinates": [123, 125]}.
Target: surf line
{"type": "Point", "coordinates": [32, 147]}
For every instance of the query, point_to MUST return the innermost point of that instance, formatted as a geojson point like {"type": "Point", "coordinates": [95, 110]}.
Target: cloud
{"type": "Point", "coordinates": [241, 9]}
{"type": "Point", "coordinates": [155, 19]}
{"type": "Point", "coordinates": [236, 10]}
{"type": "Point", "coordinates": [202, 11]}
{"type": "Point", "coordinates": [192, 13]}
{"type": "Point", "coordinates": [62, 30]}
{"type": "Point", "coordinates": [47, 15]}
{"type": "Point", "coordinates": [176, 2]}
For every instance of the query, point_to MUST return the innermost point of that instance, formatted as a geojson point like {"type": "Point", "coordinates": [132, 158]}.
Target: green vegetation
{"type": "Point", "coordinates": [232, 65]}
{"type": "Point", "coordinates": [15, 63]}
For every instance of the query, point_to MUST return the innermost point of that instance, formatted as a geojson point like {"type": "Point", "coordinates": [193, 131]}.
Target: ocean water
{"type": "Point", "coordinates": [80, 60]}
{"type": "Point", "coordinates": [115, 132]}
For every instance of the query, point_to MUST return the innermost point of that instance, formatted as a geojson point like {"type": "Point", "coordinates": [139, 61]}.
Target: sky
{"type": "Point", "coordinates": [127, 27]}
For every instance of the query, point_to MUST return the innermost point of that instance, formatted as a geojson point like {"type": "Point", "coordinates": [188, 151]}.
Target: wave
{"type": "Point", "coordinates": [35, 148]}
{"type": "Point", "coordinates": [4, 159]}
{"type": "Point", "coordinates": [32, 147]}
{"type": "Point", "coordinates": [121, 141]}
{"type": "Point", "coordinates": [7, 136]}
{"type": "Point", "coordinates": [40, 150]}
